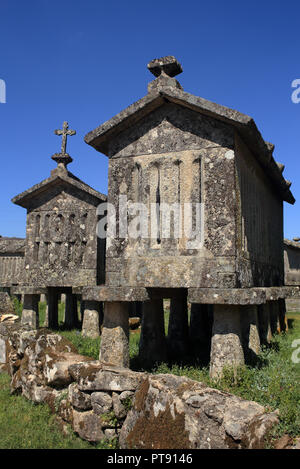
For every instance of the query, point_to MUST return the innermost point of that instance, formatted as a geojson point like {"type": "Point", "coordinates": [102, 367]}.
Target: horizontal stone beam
{"type": "Point", "coordinates": [28, 290]}
{"type": "Point", "coordinates": [102, 293]}
{"type": "Point", "coordinates": [276, 293]}
{"type": "Point", "coordinates": [230, 296]}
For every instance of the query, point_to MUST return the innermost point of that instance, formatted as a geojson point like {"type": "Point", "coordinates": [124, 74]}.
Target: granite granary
{"type": "Point", "coordinates": [173, 147]}
{"type": "Point", "coordinates": [184, 155]}
{"type": "Point", "coordinates": [62, 250]}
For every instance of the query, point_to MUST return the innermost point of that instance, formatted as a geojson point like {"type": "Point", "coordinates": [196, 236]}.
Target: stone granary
{"type": "Point", "coordinates": [11, 268]}
{"type": "Point", "coordinates": [171, 147]}
{"type": "Point", "coordinates": [292, 270]}
{"type": "Point", "coordinates": [62, 249]}
{"type": "Point", "coordinates": [12, 252]}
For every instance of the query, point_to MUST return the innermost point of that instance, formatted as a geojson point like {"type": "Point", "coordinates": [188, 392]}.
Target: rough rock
{"type": "Point", "coordinates": [88, 426]}
{"type": "Point", "coordinates": [95, 376]}
{"type": "Point", "coordinates": [56, 368]}
{"type": "Point", "coordinates": [171, 412]}
{"type": "Point", "coordinates": [78, 399]}
{"type": "Point", "coordinates": [101, 402]}
{"type": "Point", "coordinates": [119, 410]}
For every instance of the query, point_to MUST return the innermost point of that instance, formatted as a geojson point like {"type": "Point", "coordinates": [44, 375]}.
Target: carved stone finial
{"type": "Point", "coordinates": [167, 65]}
{"type": "Point", "coordinates": [63, 158]}
{"type": "Point", "coordinates": [165, 69]}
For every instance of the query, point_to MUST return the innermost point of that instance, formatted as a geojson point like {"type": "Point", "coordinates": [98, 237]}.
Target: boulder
{"type": "Point", "coordinates": [101, 402]}
{"type": "Point", "coordinates": [171, 412]}
{"type": "Point", "coordinates": [97, 376]}
{"type": "Point", "coordinates": [119, 410]}
{"type": "Point", "coordinates": [88, 426]}
{"type": "Point", "coordinates": [79, 400]}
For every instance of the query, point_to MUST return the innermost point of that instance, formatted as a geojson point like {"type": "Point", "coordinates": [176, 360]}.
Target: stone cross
{"type": "Point", "coordinates": [64, 132]}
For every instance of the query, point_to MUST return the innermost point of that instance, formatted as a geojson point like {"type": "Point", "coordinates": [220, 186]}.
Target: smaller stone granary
{"type": "Point", "coordinates": [62, 250]}
{"type": "Point", "coordinates": [12, 252]}
{"type": "Point", "coordinates": [171, 147]}
{"type": "Point", "coordinates": [292, 270]}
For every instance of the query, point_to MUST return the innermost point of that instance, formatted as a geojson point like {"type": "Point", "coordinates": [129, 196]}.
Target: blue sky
{"type": "Point", "coordinates": [85, 61]}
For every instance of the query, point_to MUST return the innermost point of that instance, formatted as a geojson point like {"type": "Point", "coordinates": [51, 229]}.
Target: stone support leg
{"type": "Point", "coordinates": [282, 315]}
{"type": "Point", "coordinates": [226, 344]}
{"type": "Point", "coordinates": [91, 322]}
{"type": "Point", "coordinates": [71, 311]}
{"type": "Point", "coordinates": [264, 323]}
{"type": "Point", "coordinates": [200, 331]}
{"type": "Point", "coordinates": [30, 313]}
{"type": "Point", "coordinates": [274, 316]}
{"type": "Point", "coordinates": [52, 309]}
{"type": "Point", "coordinates": [115, 334]}
{"type": "Point", "coordinates": [250, 332]}
{"type": "Point", "coordinates": [46, 322]}
{"type": "Point", "coordinates": [153, 347]}
{"type": "Point", "coordinates": [178, 330]}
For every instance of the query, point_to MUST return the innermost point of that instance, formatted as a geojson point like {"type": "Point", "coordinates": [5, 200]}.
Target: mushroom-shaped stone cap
{"type": "Point", "coordinates": [169, 65]}
{"type": "Point", "coordinates": [296, 240]}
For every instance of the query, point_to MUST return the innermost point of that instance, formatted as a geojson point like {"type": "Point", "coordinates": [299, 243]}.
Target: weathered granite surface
{"type": "Point", "coordinates": [62, 248]}
{"type": "Point", "coordinates": [177, 148]}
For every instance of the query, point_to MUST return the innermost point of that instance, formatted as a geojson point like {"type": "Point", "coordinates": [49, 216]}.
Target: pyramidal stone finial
{"type": "Point", "coordinates": [63, 158]}
{"type": "Point", "coordinates": [168, 65]}
{"type": "Point", "coordinates": [165, 69]}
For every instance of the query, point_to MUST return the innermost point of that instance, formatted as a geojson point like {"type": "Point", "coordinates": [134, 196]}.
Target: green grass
{"type": "Point", "coordinates": [27, 425]}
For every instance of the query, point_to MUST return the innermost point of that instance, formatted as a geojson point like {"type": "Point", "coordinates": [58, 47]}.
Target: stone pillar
{"type": "Point", "coordinates": [63, 298]}
{"type": "Point", "coordinates": [52, 309]}
{"type": "Point", "coordinates": [274, 316]}
{"type": "Point", "coordinates": [178, 330]}
{"type": "Point", "coordinates": [46, 322]}
{"type": "Point", "coordinates": [91, 321]}
{"type": "Point", "coordinates": [250, 332]}
{"type": "Point", "coordinates": [200, 331]}
{"type": "Point", "coordinates": [115, 334]}
{"type": "Point", "coordinates": [71, 311]}
{"type": "Point", "coordinates": [264, 323]}
{"type": "Point", "coordinates": [43, 298]}
{"type": "Point", "coordinates": [30, 313]}
{"type": "Point", "coordinates": [153, 346]}
{"type": "Point", "coordinates": [226, 344]}
{"type": "Point", "coordinates": [282, 315]}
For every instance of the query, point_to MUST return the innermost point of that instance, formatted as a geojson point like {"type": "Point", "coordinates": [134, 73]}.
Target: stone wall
{"type": "Point", "coordinates": [101, 401]}
{"type": "Point", "coordinates": [260, 224]}
{"type": "Point", "coordinates": [175, 156]}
